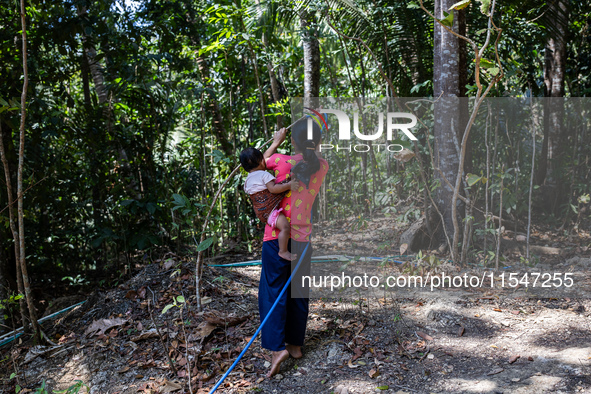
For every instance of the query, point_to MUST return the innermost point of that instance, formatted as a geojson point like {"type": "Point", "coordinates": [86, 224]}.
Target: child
{"type": "Point", "coordinates": [266, 195]}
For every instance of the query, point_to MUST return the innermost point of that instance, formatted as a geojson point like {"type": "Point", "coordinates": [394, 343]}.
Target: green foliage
{"type": "Point", "coordinates": [77, 281]}
{"type": "Point", "coordinates": [177, 301]}
{"type": "Point", "coordinates": [111, 180]}
{"type": "Point", "coordinates": [448, 20]}
{"type": "Point", "coordinates": [74, 389]}
{"type": "Point", "coordinates": [42, 389]}
{"type": "Point", "coordinates": [460, 5]}
{"type": "Point", "coordinates": [10, 305]}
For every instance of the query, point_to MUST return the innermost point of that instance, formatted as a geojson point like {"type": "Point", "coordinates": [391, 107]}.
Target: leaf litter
{"type": "Point", "coordinates": [377, 344]}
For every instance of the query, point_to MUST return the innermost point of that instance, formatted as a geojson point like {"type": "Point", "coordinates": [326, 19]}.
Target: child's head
{"type": "Point", "coordinates": [251, 158]}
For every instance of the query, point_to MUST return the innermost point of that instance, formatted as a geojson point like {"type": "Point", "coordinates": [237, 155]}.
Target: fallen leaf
{"type": "Point", "coordinates": [530, 358]}
{"type": "Point", "coordinates": [404, 155]}
{"type": "Point", "coordinates": [424, 336]}
{"type": "Point", "coordinates": [168, 264]}
{"type": "Point", "coordinates": [384, 387]}
{"type": "Point", "coordinates": [403, 248]}
{"type": "Point", "coordinates": [100, 326]}
{"type": "Point", "coordinates": [131, 295]}
{"type": "Point", "coordinates": [461, 331]}
{"type": "Point", "coordinates": [374, 373]}
{"type": "Point", "coordinates": [515, 312]}
{"type": "Point", "coordinates": [204, 329]}
{"type": "Point", "coordinates": [153, 333]}
{"type": "Point", "coordinates": [169, 387]}
{"type": "Point", "coordinates": [514, 358]}
{"type": "Point", "coordinates": [497, 310]}
{"type": "Point", "coordinates": [351, 365]}
{"type": "Point", "coordinates": [123, 370]}
{"type": "Point", "coordinates": [495, 371]}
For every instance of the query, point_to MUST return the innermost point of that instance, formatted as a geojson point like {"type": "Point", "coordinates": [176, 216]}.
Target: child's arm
{"type": "Point", "coordinates": [278, 139]}
{"type": "Point", "coordinates": [277, 188]}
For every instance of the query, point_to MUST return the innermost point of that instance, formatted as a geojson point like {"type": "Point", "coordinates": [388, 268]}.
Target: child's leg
{"type": "Point", "coordinates": [284, 228]}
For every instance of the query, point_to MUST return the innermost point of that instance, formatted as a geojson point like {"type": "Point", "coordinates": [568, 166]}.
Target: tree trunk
{"type": "Point", "coordinates": [98, 78]}
{"type": "Point", "coordinates": [446, 80]}
{"type": "Point", "coordinates": [311, 54]}
{"type": "Point", "coordinates": [274, 84]}
{"type": "Point", "coordinates": [218, 120]}
{"type": "Point", "coordinates": [3, 286]}
{"type": "Point", "coordinates": [552, 159]}
{"type": "Point", "coordinates": [14, 230]}
{"type": "Point", "coordinates": [19, 183]}
{"type": "Point", "coordinates": [96, 162]}
{"type": "Point", "coordinates": [463, 81]}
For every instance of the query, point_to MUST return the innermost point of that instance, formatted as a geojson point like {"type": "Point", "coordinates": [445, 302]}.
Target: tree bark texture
{"type": "Point", "coordinates": [19, 182]}
{"type": "Point", "coordinates": [311, 54]}
{"type": "Point", "coordinates": [463, 81]}
{"type": "Point", "coordinates": [552, 160]}
{"type": "Point", "coordinates": [13, 228]}
{"type": "Point", "coordinates": [446, 83]}
{"type": "Point", "coordinates": [218, 120]}
{"type": "Point", "coordinates": [275, 90]}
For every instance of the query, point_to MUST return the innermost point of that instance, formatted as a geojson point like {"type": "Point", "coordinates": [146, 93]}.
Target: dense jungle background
{"type": "Point", "coordinates": [136, 112]}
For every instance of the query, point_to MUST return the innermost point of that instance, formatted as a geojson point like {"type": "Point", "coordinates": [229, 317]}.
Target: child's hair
{"type": "Point", "coordinates": [299, 133]}
{"type": "Point", "coordinates": [250, 158]}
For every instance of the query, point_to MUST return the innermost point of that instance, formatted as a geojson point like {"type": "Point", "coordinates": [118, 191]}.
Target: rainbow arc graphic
{"type": "Point", "coordinates": [318, 118]}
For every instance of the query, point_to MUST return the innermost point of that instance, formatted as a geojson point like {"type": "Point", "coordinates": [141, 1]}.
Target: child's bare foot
{"type": "Point", "coordinates": [294, 351]}
{"type": "Point", "coordinates": [278, 358]}
{"type": "Point", "coordinates": [288, 256]}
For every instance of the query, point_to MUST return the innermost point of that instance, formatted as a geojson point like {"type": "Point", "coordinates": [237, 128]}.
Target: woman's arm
{"type": "Point", "coordinates": [277, 188]}
{"type": "Point", "coordinates": [278, 139]}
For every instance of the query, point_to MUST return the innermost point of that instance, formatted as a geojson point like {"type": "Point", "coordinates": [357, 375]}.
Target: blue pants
{"type": "Point", "coordinates": [287, 323]}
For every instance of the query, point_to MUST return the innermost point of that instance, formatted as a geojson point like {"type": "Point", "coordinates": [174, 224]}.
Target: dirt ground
{"type": "Point", "coordinates": [447, 341]}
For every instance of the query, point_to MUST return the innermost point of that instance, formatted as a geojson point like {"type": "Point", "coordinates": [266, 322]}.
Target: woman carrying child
{"type": "Point", "coordinates": [285, 330]}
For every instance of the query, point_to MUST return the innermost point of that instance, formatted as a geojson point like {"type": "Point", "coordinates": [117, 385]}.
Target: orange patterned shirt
{"type": "Point", "coordinates": [298, 213]}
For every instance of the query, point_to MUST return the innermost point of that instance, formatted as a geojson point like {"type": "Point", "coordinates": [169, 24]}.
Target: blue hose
{"type": "Point", "coordinates": [262, 324]}
{"type": "Point", "coordinates": [259, 262]}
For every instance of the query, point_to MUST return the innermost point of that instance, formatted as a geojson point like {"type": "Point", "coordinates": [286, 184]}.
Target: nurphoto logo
{"type": "Point", "coordinates": [344, 123]}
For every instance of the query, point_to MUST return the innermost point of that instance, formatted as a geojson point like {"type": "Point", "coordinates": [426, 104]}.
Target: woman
{"type": "Point", "coordinates": [285, 329]}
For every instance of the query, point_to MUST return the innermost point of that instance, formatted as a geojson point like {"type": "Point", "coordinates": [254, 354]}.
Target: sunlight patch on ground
{"type": "Point", "coordinates": [575, 356]}
{"type": "Point", "coordinates": [474, 386]}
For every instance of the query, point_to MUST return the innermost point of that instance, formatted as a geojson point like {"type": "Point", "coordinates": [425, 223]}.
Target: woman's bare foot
{"type": "Point", "coordinates": [278, 358]}
{"type": "Point", "coordinates": [294, 351]}
{"type": "Point", "coordinates": [287, 256]}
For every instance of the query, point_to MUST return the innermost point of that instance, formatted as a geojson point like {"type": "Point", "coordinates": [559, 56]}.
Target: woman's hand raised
{"type": "Point", "coordinates": [278, 139]}
{"type": "Point", "coordinates": [279, 136]}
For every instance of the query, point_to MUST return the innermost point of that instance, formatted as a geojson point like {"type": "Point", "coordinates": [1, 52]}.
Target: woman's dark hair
{"type": "Point", "coordinates": [299, 133]}
{"type": "Point", "coordinates": [250, 158]}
